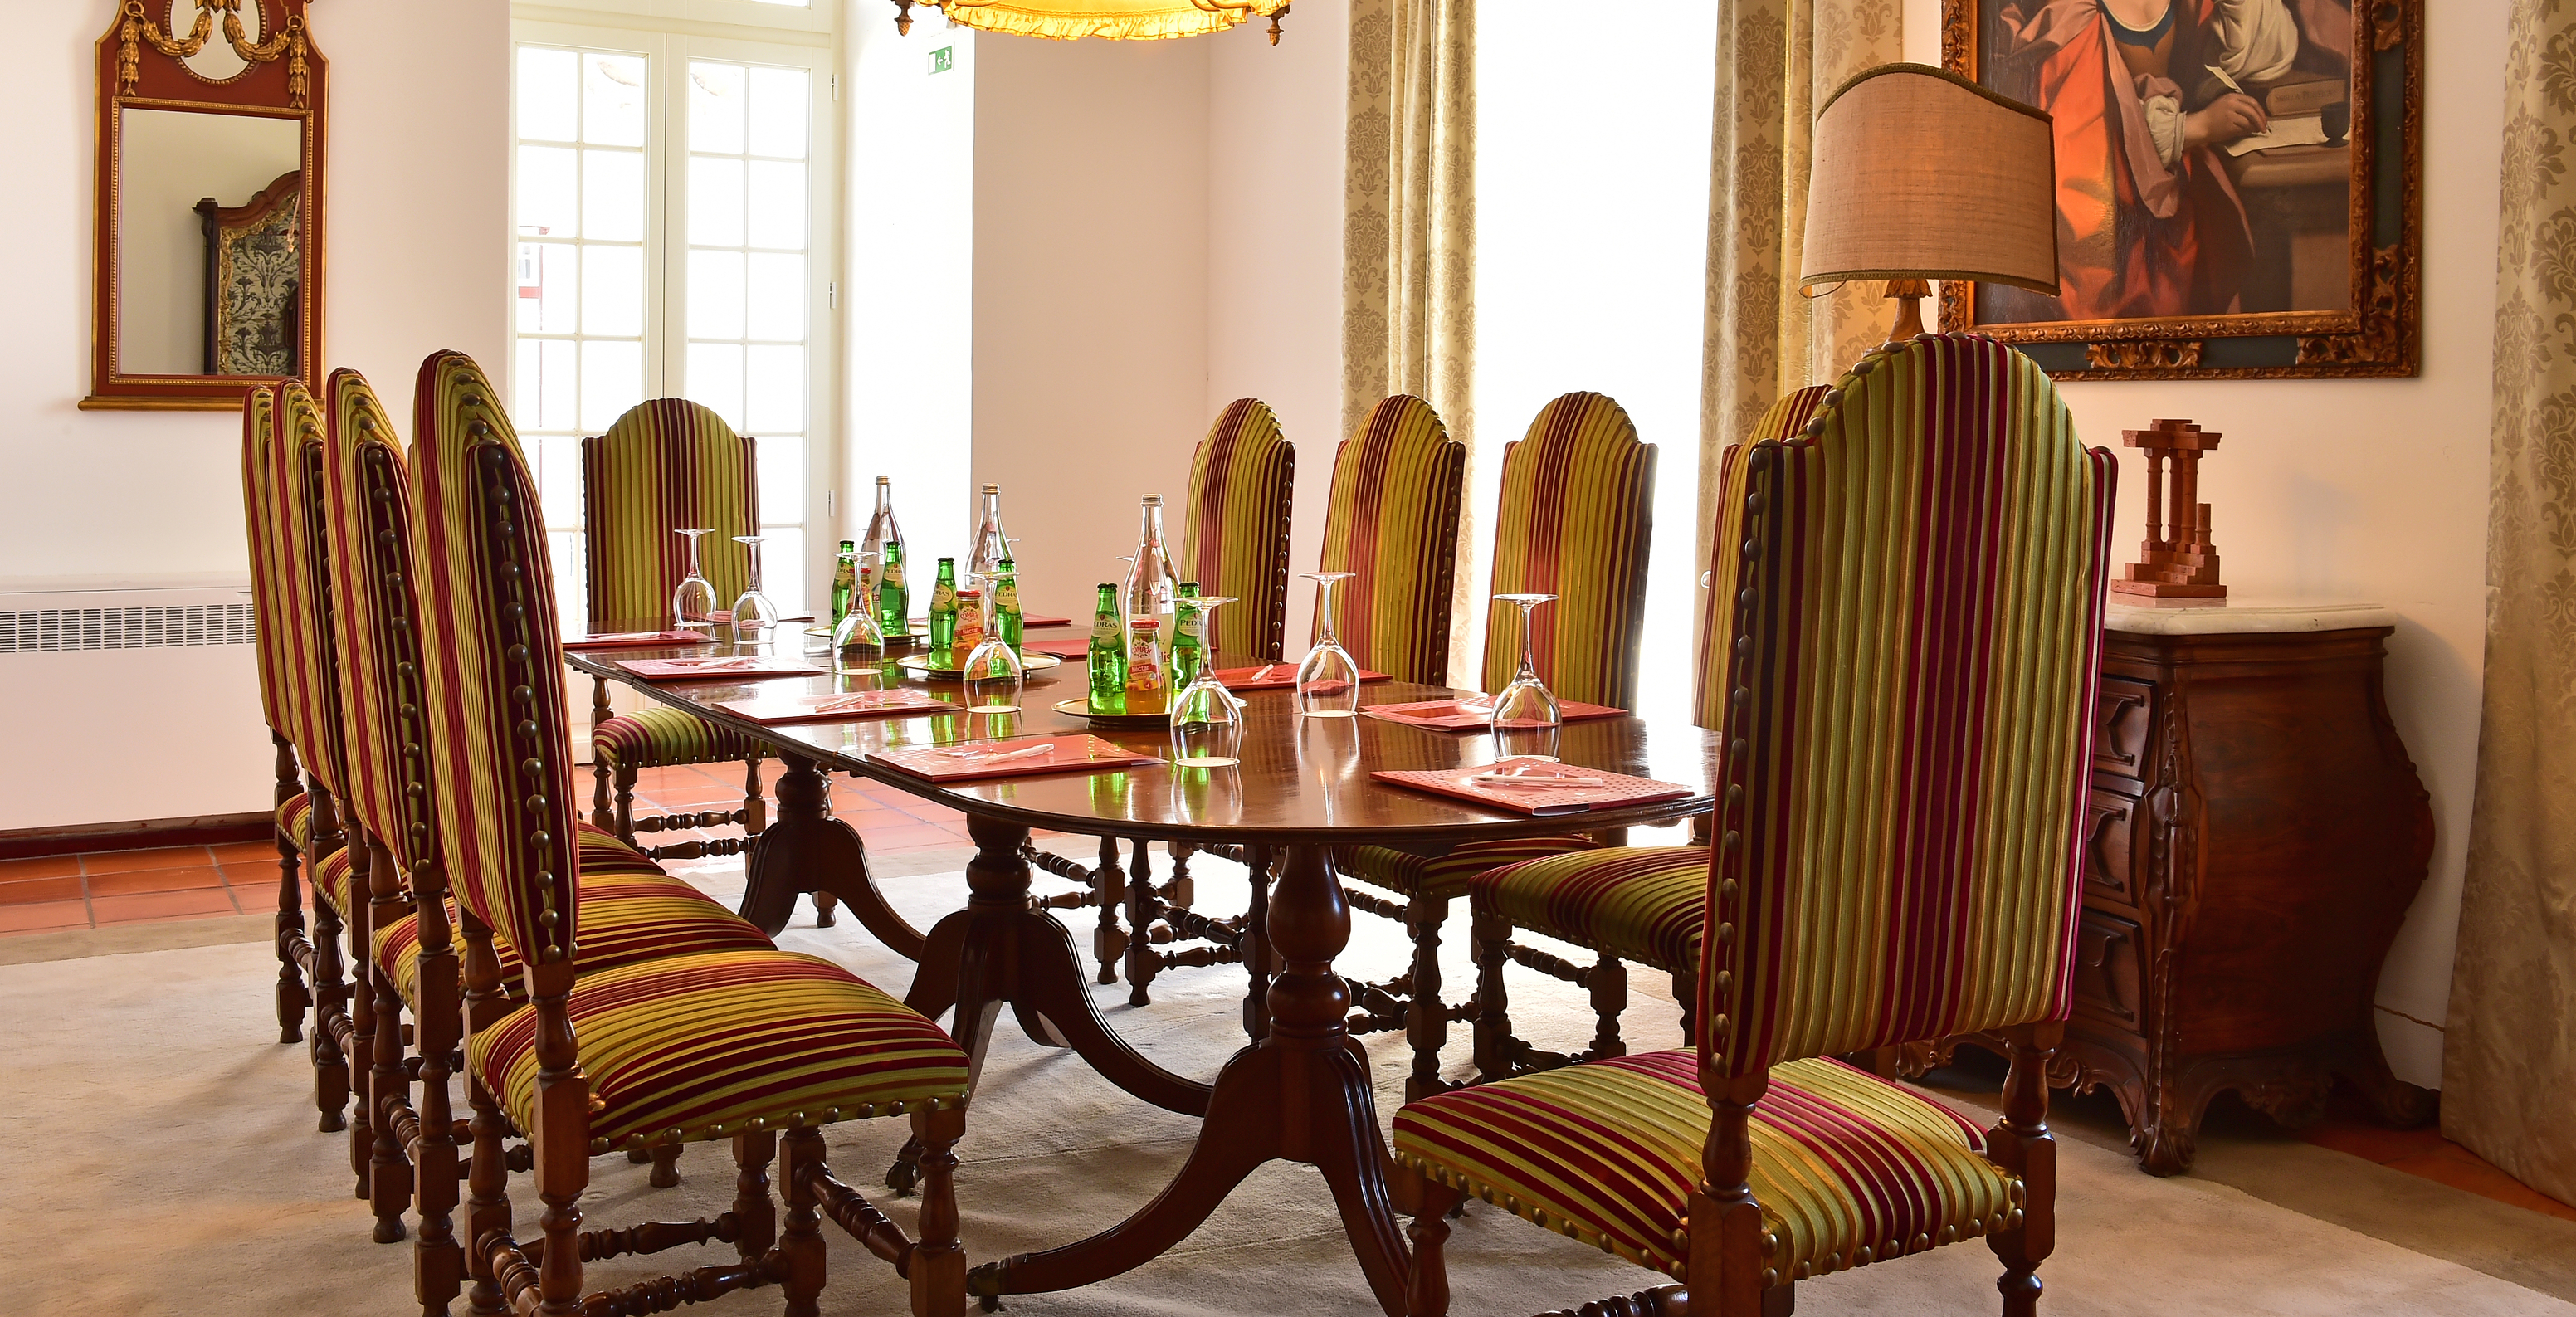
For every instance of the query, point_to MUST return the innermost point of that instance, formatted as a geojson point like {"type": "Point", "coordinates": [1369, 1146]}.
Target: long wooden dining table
{"type": "Point", "coordinates": [1301, 1092]}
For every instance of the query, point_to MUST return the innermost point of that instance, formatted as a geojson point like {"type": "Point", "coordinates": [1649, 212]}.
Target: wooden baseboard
{"type": "Point", "coordinates": [84, 838]}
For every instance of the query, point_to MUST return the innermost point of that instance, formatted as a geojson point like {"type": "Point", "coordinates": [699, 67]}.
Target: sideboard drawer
{"type": "Point", "coordinates": [2107, 949]}
{"type": "Point", "coordinates": [2110, 846]}
{"type": "Point", "coordinates": [2121, 713]}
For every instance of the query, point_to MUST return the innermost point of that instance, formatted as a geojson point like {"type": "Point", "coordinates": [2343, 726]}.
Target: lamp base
{"type": "Point", "coordinates": [1908, 294]}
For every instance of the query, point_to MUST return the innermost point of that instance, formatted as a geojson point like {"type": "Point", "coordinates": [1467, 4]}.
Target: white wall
{"type": "Point", "coordinates": [2372, 489]}
{"type": "Point", "coordinates": [417, 238]}
{"type": "Point", "coordinates": [172, 160]}
{"type": "Point", "coordinates": [1091, 247]}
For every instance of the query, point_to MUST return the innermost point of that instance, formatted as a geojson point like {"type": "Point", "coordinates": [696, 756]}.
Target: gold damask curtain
{"type": "Point", "coordinates": [2509, 1054]}
{"type": "Point", "coordinates": [1776, 61]}
{"type": "Point", "coordinates": [1409, 232]}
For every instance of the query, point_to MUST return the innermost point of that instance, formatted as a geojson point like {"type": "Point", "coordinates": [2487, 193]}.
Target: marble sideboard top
{"type": "Point", "coordinates": [2218, 617]}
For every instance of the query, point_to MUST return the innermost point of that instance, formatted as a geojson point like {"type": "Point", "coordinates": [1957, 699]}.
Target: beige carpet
{"type": "Point", "coordinates": [161, 1159]}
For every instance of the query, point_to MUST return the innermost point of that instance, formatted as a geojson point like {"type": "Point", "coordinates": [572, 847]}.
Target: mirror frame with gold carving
{"type": "Point", "coordinates": [143, 65]}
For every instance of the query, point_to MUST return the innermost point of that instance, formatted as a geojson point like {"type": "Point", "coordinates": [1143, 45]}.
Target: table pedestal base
{"type": "Point", "coordinates": [807, 850]}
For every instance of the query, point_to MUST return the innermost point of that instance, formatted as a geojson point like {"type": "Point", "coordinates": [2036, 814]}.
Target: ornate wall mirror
{"type": "Point", "coordinates": [209, 230]}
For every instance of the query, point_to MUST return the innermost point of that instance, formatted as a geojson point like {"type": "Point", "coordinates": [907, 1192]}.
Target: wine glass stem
{"type": "Point", "coordinates": [755, 567]}
{"type": "Point", "coordinates": [1327, 633]}
{"type": "Point", "coordinates": [1529, 644]}
{"type": "Point", "coordinates": [694, 569]}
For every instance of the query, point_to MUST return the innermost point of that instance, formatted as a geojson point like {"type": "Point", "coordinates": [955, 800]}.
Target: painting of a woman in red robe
{"type": "Point", "coordinates": [2147, 98]}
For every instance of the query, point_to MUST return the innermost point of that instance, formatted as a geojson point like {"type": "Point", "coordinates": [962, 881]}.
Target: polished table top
{"type": "Point", "coordinates": [1301, 779]}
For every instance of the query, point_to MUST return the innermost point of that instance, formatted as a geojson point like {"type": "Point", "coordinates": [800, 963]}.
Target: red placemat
{"type": "Point", "coordinates": [1273, 677]}
{"type": "Point", "coordinates": [838, 707]}
{"type": "Point", "coordinates": [1041, 619]}
{"type": "Point", "coordinates": [1595, 789]}
{"type": "Point", "coordinates": [742, 667]}
{"type": "Point", "coordinates": [1470, 716]}
{"type": "Point", "coordinates": [1076, 752]}
{"type": "Point", "coordinates": [639, 639]}
{"type": "Point", "coordinates": [1078, 647]}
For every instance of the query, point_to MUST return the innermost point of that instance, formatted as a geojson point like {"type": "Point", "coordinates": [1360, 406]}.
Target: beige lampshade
{"type": "Point", "coordinates": [1922, 174]}
{"type": "Point", "coordinates": [1123, 20]}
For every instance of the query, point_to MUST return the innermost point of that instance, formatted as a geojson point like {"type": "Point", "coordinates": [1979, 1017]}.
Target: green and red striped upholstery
{"type": "Point", "coordinates": [1849, 1168]}
{"type": "Point", "coordinates": [297, 481]}
{"type": "Point", "coordinates": [660, 736]}
{"type": "Point", "coordinates": [1234, 538]}
{"type": "Point", "coordinates": [1787, 419]}
{"type": "Point", "coordinates": [1393, 523]}
{"type": "Point", "coordinates": [665, 464]}
{"type": "Point", "coordinates": [295, 819]}
{"type": "Point", "coordinates": [259, 419]}
{"type": "Point", "coordinates": [1444, 875]}
{"type": "Point", "coordinates": [500, 761]}
{"type": "Point", "coordinates": [1923, 582]}
{"type": "Point", "coordinates": [693, 1047]}
{"type": "Point", "coordinates": [1575, 520]}
{"type": "Point", "coordinates": [374, 622]}
{"type": "Point", "coordinates": [1641, 903]}
{"type": "Point", "coordinates": [642, 914]}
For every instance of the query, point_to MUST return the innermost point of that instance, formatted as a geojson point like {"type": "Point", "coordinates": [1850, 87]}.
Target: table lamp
{"type": "Point", "coordinates": [1921, 174]}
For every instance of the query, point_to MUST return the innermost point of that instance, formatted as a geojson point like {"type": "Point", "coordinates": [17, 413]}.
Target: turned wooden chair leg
{"type": "Point", "coordinates": [1256, 946]}
{"type": "Point", "coordinates": [623, 823]}
{"type": "Point", "coordinates": [2020, 1143]}
{"type": "Point", "coordinates": [666, 1166]}
{"type": "Point", "coordinates": [487, 1178]}
{"type": "Point", "coordinates": [292, 998]}
{"type": "Point", "coordinates": [755, 807]}
{"type": "Point", "coordinates": [1490, 937]}
{"type": "Point", "coordinates": [752, 1204]}
{"type": "Point", "coordinates": [938, 1272]}
{"type": "Point", "coordinates": [1140, 917]}
{"type": "Point", "coordinates": [1426, 1291]}
{"type": "Point", "coordinates": [1108, 940]}
{"type": "Point", "coordinates": [1686, 994]}
{"type": "Point", "coordinates": [331, 1078]}
{"type": "Point", "coordinates": [1426, 1023]}
{"type": "Point", "coordinates": [1608, 984]}
{"type": "Point", "coordinates": [800, 1249]}
{"type": "Point", "coordinates": [601, 815]}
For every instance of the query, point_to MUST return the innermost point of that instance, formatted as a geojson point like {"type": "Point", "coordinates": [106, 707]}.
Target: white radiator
{"type": "Point", "coordinates": [128, 703]}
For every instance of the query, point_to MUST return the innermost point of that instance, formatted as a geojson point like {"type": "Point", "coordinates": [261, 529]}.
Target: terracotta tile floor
{"type": "Point", "coordinates": [195, 882]}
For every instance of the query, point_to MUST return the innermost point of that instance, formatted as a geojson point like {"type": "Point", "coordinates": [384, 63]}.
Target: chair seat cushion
{"type": "Point", "coordinates": [694, 1047]}
{"type": "Point", "coordinates": [1444, 875]}
{"type": "Point", "coordinates": [295, 819]}
{"type": "Point", "coordinates": [601, 853]}
{"type": "Point", "coordinates": [1849, 1168]}
{"type": "Point", "coordinates": [1640, 903]}
{"type": "Point", "coordinates": [624, 918]}
{"type": "Point", "coordinates": [659, 737]}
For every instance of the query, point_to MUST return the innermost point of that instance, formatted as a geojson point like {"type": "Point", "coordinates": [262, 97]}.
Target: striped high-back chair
{"type": "Point", "coordinates": [1234, 537]}
{"type": "Point", "coordinates": [1575, 520]}
{"type": "Point", "coordinates": [1920, 586]}
{"type": "Point", "coordinates": [1786, 419]}
{"type": "Point", "coordinates": [759, 1046]}
{"type": "Point", "coordinates": [666, 464]}
{"type": "Point", "coordinates": [1392, 523]}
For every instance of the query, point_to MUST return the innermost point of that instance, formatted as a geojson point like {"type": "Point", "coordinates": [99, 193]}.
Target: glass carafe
{"type": "Point", "coordinates": [1328, 681]}
{"type": "Point", "coordinates": [693, 605]}
{"type": "Point", "coordinates": [1526, 716]}
{"type": "Point", "coordinates": [992, 546]}
{"type": "Point", "coordinates": [754, 616]}
{"type": "Point", "coordinates": [1207, 721]}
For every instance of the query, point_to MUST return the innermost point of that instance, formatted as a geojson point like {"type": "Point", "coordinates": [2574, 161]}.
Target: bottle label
{"type": "Point", "coordinates": [1105, 627]}
{"type": "Point", "coordinates": [943, 598]}
{"type": "Point", "coordinates": [1193, 624]}
{"type": "Point", "coordinates": [1006, 597]}
{"type": "Point", "coordinates": [1144, 657]}
{"type": "Point", "coordinates": [894, 572]}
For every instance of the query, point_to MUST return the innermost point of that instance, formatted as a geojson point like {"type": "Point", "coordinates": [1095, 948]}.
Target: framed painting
{"type": "Point", "coordinates": [2239, 184]}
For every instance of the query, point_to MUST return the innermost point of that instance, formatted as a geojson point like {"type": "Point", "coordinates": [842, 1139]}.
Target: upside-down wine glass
{"type": "Point", "coordinates": [1526, 716]}
{"type": "Point", "coordinates": [992, 671]}
{"type": "Point", "coordinates": [754, 616]}
{"type": "Point", "coordinates": [693, 605]}
{"type": "Point", "coordinates": [1328, 681]}
{"type": "Point", "coordinates": [858, 640]}
{"type": "Point", "coordinates": [1207, 721]}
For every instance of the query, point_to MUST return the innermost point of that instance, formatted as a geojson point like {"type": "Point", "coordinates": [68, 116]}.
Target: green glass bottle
{"type": "Point", "coordinates": [943, 608]}
{"type": "Point", "coordinates": [1006, 604]}
{"type": "Point", "coordinates": [845, 579]}
{"type": "Point", "coordinates": [1189, 645]}
{"type": "Point", "coordinates": [1108, 654]}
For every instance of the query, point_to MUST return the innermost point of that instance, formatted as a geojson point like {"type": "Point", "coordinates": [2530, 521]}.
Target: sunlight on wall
{"type": "Point", "coordinates": [1592, 241]}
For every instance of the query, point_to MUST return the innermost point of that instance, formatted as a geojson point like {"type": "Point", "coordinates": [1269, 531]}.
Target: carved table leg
{"type": "Point", "coordinates": [1302, 1095]}
{"type": "Point", "coordinates": [807, 850]}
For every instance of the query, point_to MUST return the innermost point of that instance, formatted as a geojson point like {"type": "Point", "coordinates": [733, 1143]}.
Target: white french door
{"type": "Point", "coordinates": [673, 235]}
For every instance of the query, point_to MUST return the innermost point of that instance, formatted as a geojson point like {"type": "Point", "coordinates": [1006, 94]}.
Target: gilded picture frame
{"type": "Point", "coordinates": [2180, 257]}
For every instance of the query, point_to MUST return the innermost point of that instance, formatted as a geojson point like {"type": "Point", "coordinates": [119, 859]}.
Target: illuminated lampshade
{"type": "Point", "coordinates": [1117, 20]}
{"type": "Point", "coordinates": [1921, 174]}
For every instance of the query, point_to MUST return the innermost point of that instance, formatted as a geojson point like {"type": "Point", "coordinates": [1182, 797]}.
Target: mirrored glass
{"type": "Point", "coordinates": [716, 106]}
{"type": "Point", "coordinates": [779, 109]}
{"type": "Point", "coordinates": [715, 201]}
{"type": "Point", "coordinates": [777, 204]}
{"type": "Point", "coordinates": [777, 297]}
{"type": "Point", "coordinates": [612, 99]}
{"type": "Point", "coordinates": [715, 294]}
{"type": "Point", "coordinates": [612, 196]}
{"type": "Point", "coordinates": [549, 94]}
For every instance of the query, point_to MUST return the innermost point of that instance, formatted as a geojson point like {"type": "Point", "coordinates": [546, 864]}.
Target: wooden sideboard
{"type": "Point", "coordinates": [2254, 836]}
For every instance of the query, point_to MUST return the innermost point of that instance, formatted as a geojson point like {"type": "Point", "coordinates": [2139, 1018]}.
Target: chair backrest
{"type": "Point", "coordinates": [1234, 537]}
{"type": "Point", "coordinates": [1575, 520]}
{"type": "Point", "coordinates": [1393, 523]}
{"type": "Point", "coordinates": [492, 671]}
{"type": "Point", "coordinates": [298, 493]}
{"type": "Point", "coordinates": [664, 465]}
{"type": "Point", "coordinates": [1910, 712]}
{"type": "Point", "coordinates": [375, 624]}
{"type": "Point", "coordinates": [1787, 419]}
{"type": "Point", "coordinates": [259, 528]}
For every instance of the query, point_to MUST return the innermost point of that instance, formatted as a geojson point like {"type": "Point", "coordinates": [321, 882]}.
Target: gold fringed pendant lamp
{"type": "Point", "coordinates": [1115, 20]}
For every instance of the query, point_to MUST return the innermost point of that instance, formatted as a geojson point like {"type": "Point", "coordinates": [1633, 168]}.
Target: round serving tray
{"type": "Point", "coordinates": [1080, 707]}
{"type": "Point", "coordinates": [919, 665]}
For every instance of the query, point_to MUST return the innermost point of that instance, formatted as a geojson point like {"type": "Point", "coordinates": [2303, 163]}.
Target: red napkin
{"type": "Point", "coordinates": [747, 667]}
{"type": "Point", "coordinates": [639, 639]}
{"type": "Point", "coordinates": [1017, 757]}
{"type": "Point", "coordinates": [1464, 716]}
{"type": "Point", "coordinates": [840, 707]}
{"type": "Point", "coordinates": [1273, 677]}
{"type": "Point", "coordinates": [1591, 788]}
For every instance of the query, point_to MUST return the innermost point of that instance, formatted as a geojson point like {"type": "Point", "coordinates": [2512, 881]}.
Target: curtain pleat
{"type": "Point", "coordinates": [1409, 233]}
{"type": "Point", "coordinates": [2509, 1052]}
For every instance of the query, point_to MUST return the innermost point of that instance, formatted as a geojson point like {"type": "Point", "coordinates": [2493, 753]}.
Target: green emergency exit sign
{"type": "Point", "coordinates": [943, 59]}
